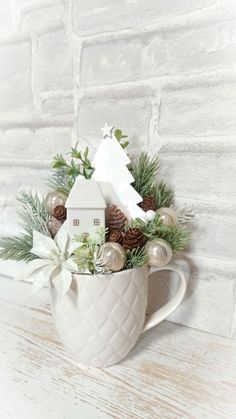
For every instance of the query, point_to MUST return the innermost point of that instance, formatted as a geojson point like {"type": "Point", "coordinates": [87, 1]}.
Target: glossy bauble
{"type": "Point", "coordinates": [54, 225]}
{"type": "Point", "coordinates": [159, 252]}
{"type": "Point", "coordinates": [150, 215]}
{"type": "Point", "coordinates": [113, 256]}
{"type": "Point", "coordinates": [54, 199]}
{"type": "Point", "coordinates": [168, 216]}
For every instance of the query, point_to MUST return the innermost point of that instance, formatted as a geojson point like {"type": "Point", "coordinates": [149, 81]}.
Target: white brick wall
{"type": "Point", "coordinates": [162, 70]}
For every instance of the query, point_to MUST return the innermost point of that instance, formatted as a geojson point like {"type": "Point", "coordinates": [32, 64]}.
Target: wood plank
{"type": "Point", "coordinates": [173, 372]}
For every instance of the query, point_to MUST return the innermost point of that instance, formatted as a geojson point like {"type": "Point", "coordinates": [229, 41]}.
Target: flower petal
{"type": "Point", "coordinates": [43, 246]}
{"type": "Point", "coordinates": [62, 281]}
{"type": "Point", "coordinates": [41, 278]}
{"type": "Point", "coordinates": [70, 265]}
{"type": "Point", "coordinates": [62, 238]}
{"type": "Point", "coordinates": [31, 268]}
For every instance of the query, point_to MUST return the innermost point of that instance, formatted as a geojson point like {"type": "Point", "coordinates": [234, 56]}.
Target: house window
{"type": "Point", "coordinates": [85, 235]}
{"type": "Point", "coordinates": [96, 222]}
{"type": "Point", "coordinates": [76, 222]}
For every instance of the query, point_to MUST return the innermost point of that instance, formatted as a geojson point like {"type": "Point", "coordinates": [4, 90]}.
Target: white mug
{"type": "Point", "coordinates": [102, 316]}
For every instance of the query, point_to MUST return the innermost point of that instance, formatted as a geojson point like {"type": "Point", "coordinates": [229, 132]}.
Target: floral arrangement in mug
{"type": "Point", "coordinates": [134, 217]}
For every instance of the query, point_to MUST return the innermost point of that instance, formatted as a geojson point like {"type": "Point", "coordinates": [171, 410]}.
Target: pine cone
{"type": "Point", "coordinates": [116, 236]}
{"type": "Point", "coordinates": [59, 212]}
{"type": "Point", "coordinates": [54, 225]}
{"type": "Point", "coordinates": [116, 219]}
{"type": "Point", "coordinates": [149, 203]}
{"type": "Point", "coordinates": [134, 238]}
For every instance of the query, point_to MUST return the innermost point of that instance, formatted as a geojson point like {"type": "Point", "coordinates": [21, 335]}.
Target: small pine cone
{"type": "Point", "coordinates": [116, 219]}
{"type": "Point", "coordinates": [54, 225]}
{"type": "Point", "coordinates": [149, 203]}
{"type": "Point", "coordinates": [134, 238]}
{"type": "Point", "coordinates": [116, 236]}
{"type": "Point", "coordinates": [60, 212]}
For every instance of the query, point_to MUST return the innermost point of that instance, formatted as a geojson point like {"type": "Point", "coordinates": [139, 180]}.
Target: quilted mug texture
{"type": "Point", "coordinates": [101, 317]}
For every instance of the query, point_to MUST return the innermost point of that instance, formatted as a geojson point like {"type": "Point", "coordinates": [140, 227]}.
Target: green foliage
{"type": "Point", "coordinates": [136, 223]}
{"type": "Point", "coordinates": [120, 136]}
{"type": "Point", "coordinates": [33, 214]}
{"type": "Point", "coordinates": [185, 214]}
{"type": "Point", "coordinates": [164, 195]}
{"type": "Point", "coordinates": [144, 172]}
{"type": "Point", "coordinates": [64, 173]}
{"type": "Point", "coordinates": [34, 217]}
{"type": "Point", "coordinates": [88, 256]}
{"type": "Point", "coordinates": [136, 258]}
{"type": "Point", "coordinates": [17, 247]}
{"type": "Point", "coordinates": [177, 236]}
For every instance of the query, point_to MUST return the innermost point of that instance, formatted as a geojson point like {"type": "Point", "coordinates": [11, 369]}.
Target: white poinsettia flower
{"type": "Point", "coordinates": [54, 261]}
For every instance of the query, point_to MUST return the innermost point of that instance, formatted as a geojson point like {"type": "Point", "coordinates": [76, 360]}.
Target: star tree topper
{"type": "Point", "coordinates": [115, 179]}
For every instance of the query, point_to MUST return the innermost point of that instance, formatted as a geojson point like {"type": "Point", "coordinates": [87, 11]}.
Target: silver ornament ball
{"type": "Point", "coordinates": [159, 252]}
{"type": "Point", "coordinates": [168, 216]}
{"type": "Point", "coordinates": [113, 256]}
{"type": "Point", "coordinates": [53, 199]}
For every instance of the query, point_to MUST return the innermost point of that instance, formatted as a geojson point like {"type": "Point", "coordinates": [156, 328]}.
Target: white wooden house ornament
{"type": "Point", "coordinates": [85, 208]}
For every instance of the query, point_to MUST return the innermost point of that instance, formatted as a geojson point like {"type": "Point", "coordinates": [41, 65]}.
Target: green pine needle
{"type": "Point", "coordinates": [144, 172]}
{"type": "Point", "coordinates": [33, 214]}
{"type": "Point", "coordinates": [136, 258]}
{"type": "Point", "coordinates": [17, 247]}
{"type": "Point", "coordinates": [164, 195]}
{"type": "Point", "coordinates": [177, 236]}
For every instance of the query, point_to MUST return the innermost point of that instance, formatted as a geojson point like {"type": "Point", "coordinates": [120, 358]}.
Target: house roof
{"type": "Point", "coordinates": [86, 193]}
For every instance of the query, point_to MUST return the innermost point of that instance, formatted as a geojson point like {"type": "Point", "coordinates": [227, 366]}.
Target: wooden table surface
{"type": "Point", "coordinates": [173, 372]}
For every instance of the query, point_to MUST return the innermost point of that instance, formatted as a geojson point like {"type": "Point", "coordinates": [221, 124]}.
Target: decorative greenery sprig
{"type": "Point", "coordinates": [34, 217]}
{"type": "Point", "coordinates": [164, 195]}
{"type": "Point", "coordinates": [177, 236]}
{"type": "Point", "coordinates": [17, 247]}
{"type": "Point", "coordinates": [136, 258]}
{"type": "Point", "coordinates": [144, 172]}
{"type": "Point", "coordinates": [120, 136]}
{"type": "Point", "coordinates": [64, 172]}
{"type": "Point", "coordinates": [33, 214]}
{"type": "Point", "coordinates": [88, 256]}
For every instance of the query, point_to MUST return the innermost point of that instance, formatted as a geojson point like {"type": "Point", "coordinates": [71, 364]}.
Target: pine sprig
{"type": "Point", "coordinates": [177, 237]}
{"type": "Point", "coordinates": [17, 247]}
{"type": "Point", "coordinates": [60, 181]}
{"type": "Point", "coordinates": [144, 172]}
{"type": "Point", "coordinates": [164, 195]}
{"type": "Point", "coordinates": [136, 258]}
{"type": "Point", "coordinates": [185, 214]}
{"type": "Point", "coordinates": [33, 214]}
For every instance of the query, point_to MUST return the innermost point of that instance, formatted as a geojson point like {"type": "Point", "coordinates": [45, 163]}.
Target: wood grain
{"type": "Point", "coordinates": [173, 372]}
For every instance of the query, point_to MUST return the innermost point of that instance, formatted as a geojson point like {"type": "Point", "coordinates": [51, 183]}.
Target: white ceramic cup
{"type": "Point", "coordinates": [102, 316]}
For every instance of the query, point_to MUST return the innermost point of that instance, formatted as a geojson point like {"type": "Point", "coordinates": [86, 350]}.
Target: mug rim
{"type": "Point", "coordinates": [109, 274]}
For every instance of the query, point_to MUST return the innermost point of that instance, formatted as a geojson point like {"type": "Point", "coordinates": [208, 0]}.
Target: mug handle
{"type": "Point", "coordinates": [173, 303]}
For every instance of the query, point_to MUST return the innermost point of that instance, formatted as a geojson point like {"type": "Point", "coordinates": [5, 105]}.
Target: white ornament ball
{"type": "Point", "coordinates": [53, 199]}
{"type": "Point", "coordinates": [168, 217]}
{"type": "Point", "coordinates": [150, 215]}
{"type": "Point", "coordinates": [113, 256]}
{"type": "Point", "coordinates": [159, 252]}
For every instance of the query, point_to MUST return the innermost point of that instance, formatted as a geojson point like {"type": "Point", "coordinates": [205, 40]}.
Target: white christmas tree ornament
{"type": "Point", "coordinates": [115, 179]}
